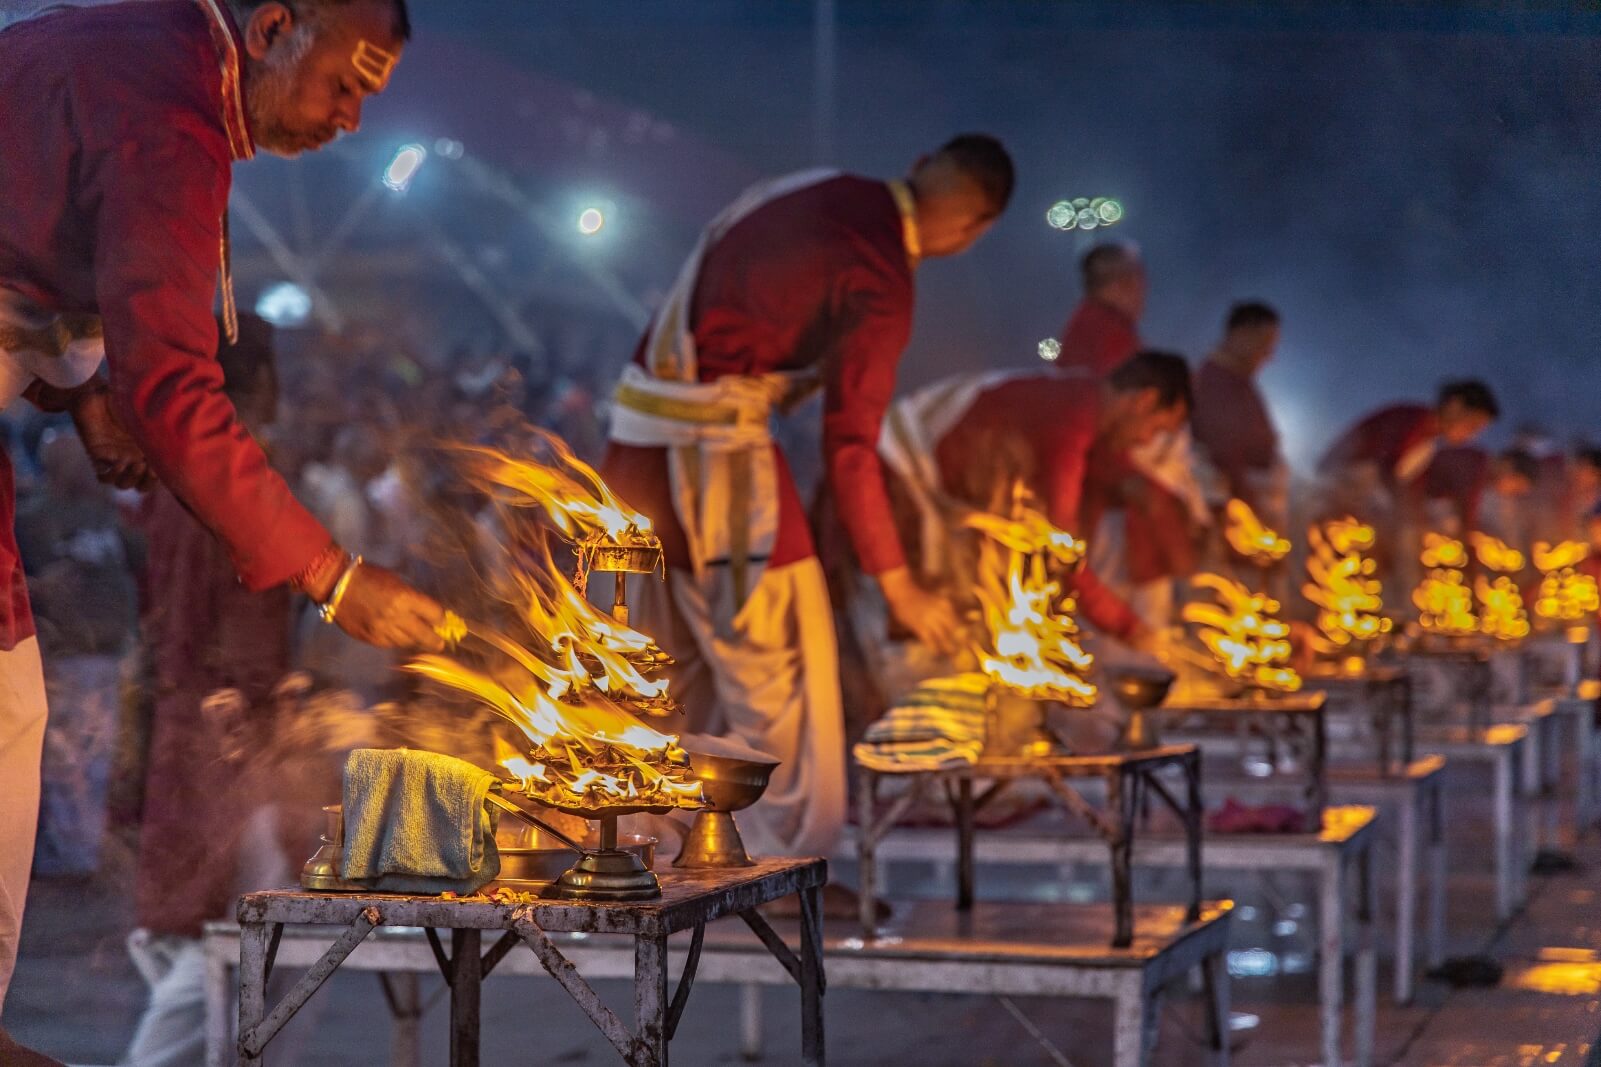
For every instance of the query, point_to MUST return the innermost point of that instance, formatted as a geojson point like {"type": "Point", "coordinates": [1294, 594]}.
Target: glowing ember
{"type": "Point", "coordinates": [1501, 613]}
{"type": "Point", "coordinates": [1252, 540]}
{"type": "Point", "coordinates": [1496, 554]}
{"type": "Point", "coordinates": [1567, 594]}
{"type": "Point", "coordinates": [1033, 647]}
{"type": "Point", "coordinates": [1443, 599]}
{"type": "Point", "coordinates": [1342, 586]}
{"type": "Point", "coordinates": [1242, 631]}
{"type": "Point", "coordinates": [569, 677]}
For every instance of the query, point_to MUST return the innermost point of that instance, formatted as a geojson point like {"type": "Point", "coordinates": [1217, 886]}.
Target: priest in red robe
{"type": "Point", "coordinates": [1232, 425]}
{"type": "Point", "coordinates": [805, 281]}
{"type": "Point", "coordinates": [963, 443]}
{"type": "Point", "coordinates": [121, 126]}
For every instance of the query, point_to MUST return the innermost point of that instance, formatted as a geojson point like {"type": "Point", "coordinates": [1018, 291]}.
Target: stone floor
{"type": "Point", "coordinates": [77, 996]}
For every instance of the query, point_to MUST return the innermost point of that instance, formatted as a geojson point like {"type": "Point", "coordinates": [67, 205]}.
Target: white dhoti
{"type": "Point", "coordinates": [22, 722]}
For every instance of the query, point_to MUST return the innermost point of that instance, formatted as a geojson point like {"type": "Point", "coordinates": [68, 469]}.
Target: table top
{"type": "Point", "coordinates": [1380, 674]}
{"type": "Point", "coordinates": [1420, 769]}
{"type": "Point", "coordinates": [1091, 765]}
{"type": "Point", "coordinates": [689, 897]}
{"type": "Point", "coordinates": [1497, 736]}
{"type": "Point", "coordinates": [1302, 703]}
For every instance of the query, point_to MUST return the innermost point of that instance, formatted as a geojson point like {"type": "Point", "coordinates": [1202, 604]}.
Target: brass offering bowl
{"type": "Point", "coordinates": [542, 860]}
{"type": "Point", "coordinates": [1140, 689]}
{"type": "Point", "coordinates": [732, 778]}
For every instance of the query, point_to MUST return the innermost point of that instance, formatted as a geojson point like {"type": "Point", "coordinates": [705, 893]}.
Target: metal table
{"type": "Point", "coordinates": [1503, 749]}
{"type": "Point", "coordinates": [1126, 776]}
{"type": "Point", "coordinates": [690, 900]}
{"type": "Point", "coordinates": [1580, 710]}
{"type": "Point", "coordinates": [1470, 678]}
{"type": "Point", "coordinates": [1385, 694]}
{"type": "Point", "coordinates": [1294, 720]}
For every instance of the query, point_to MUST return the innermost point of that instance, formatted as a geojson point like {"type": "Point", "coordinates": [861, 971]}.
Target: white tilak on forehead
{"type": "Point", "coordinates": [374, 64]}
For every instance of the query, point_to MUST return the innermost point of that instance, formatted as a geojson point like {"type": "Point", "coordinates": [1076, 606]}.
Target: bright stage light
{"type": "Point", "coordinates": [284, 304]}
{"type": "Point", "coordinates": [1083, 213]}
{"type": "Point", "coordinates": [1050, 350]}
{"type": "Point", "coordinates": [590, 221]}
{"type": "Point", "coordinates": [404, 167]}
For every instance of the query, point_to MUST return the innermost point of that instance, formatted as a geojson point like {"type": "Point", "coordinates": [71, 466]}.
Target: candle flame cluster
{"type": "Point", "coordinates": [1242, 631]}
{"type": "Point", "coordinates": [1250, 538]}
{"type": "Point", "coordinates": [1031, 637]}
{"type": "Point", "coordinates": [571, 679]}
{"type": "Point", "coordinates": [1501, 611]}
{"type": "Point", "coordinates": [1567, 594]}
{"type": "Point", "coordinates": [1443, 599]}
{"type": "Point", "coordinates": [1342, 585]}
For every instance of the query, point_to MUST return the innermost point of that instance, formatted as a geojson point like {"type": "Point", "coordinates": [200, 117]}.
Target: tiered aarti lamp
{"type": "Point", "coordinates": [1342, 586]}
{"type": "Point", "coordinates": [1241, 629]}
{"type": "Point", "coordinates": [1443, 599]}
{"type": "Point", "coordinates": [1568, 596]}
{"type": "Point", "coordinates": [1501, 612]}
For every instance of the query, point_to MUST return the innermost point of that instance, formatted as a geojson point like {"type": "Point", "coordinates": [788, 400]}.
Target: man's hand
{"type": "Point", "coordinates": [118, 460]}
{"type": "Point", "coordinates": [929, 616]}
{"type": "Point", "coordinates": [381, 609]}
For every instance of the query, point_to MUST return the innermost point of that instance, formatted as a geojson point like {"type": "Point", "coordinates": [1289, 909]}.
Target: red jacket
{"type": "Point", "coordinates": [1383, 438]}
{"type": "Point", "coordinates": [1232, 426]}
{"type": "Point", "coordinates": [818, 277]}
{"type": "Point", "coordinates": [1054, 418]}
{"type": "Point", "coordinates": [1098, 337]}
{"type": "Point", "coordinates": [121, 124]}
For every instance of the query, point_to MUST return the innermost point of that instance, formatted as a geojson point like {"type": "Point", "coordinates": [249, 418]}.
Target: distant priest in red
{"type": "Point", "coordinates": [1233, 428]}
{"type": "Point", "coordinates": [964, 442]}
{"type": "Point", "coordinates": [122, 122]}
{"type": "Point", "coordinates": [805, 281]}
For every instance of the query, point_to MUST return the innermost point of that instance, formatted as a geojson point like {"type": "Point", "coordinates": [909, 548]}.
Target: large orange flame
{"type": "Point", "coordinates": [1032, 645]}
{"type": "Point", "coordinates": [567, 676]}
{"type": "Point", "coordinates": [1567, 594]}
{"type": "Point", "coordinates": [1249, 537]}
{"type": "Point", "coordinates": [1342, 586]}
{"type": "Point", "coordinates": [1242, 631]}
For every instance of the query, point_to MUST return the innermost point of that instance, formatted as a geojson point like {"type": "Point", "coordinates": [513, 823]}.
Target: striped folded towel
{"type": "Point", "coordinates": [937, 726]}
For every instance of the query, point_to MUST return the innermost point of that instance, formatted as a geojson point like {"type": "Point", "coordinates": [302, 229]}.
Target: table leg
{"type": "Point", "coordinates": [1194, 812]}
{"type": "Point", "coordinates": [650, 1002]}
{"type": "Point", "coordinates": [1382, 719]}
{"type": "Point", "coordinates": [1505, 878]}
{"type": "Point", "coordinates": [1436, 954]}
{"type": "Point", "coordinates": [964, 844]}
{"type": "Point", "coordinates": [405, 1008]}
{"type": "Point", "coordinates": [1408, 750]}
{"type": "Point", "coordinates": [750, 1022]}
{"type": "Point", "coordinates": [866, 854]}
{"type": "Point", "coordinates": [1215, 978]}
{"type": "Point", "coordinates": [1129, 1031]}
{"type": "Point", "coordinates": [1367, 964]}
{"type": "Point", "coordinates": [466, 982]}
{"type": "Point", "coordinates": [812, 1044]}
{"type": "Point", "coordinates": [218, 991]}
{"type": "Point", "coordinates": [253, 938]}
{"type": "Point", "coordinates": [1584, 743]}
{"type": "Point", "coordinates": [1406, 894]}
{"type": "Point", "coordinates": [1120, 809]}
{"type": "Point", "coordinates": [1331, 956]}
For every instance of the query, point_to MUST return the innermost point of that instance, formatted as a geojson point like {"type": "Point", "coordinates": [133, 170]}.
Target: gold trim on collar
{"type": "Point", "coordinates": [907, 205]}
{"type": "Point", "coordinates": [233, 96]}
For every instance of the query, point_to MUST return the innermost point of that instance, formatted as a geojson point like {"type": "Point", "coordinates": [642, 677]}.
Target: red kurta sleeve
{"type": "Point", "coordinates": [859, 382]}
{"type": "Point", "coordinates": [156, 177]}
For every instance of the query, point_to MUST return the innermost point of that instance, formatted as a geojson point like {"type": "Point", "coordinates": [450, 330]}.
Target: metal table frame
{"type": "Point", "coordinates": [1295, 720]}
{"type": "Point", "coordinates": [1580, 709]}
{"type": "Point", "coordinates": [1472, 677]}
{"type": "Point", "coordinates": [1126, 776]}
{"type": "Point", "coordinates": [1385, 693]}
{"type": "Point", "coordinates": [1502, 748]}
{"type": "Point", "coordinates": [690, 899]}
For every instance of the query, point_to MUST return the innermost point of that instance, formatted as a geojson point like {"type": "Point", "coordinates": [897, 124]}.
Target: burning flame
{"type": "Point", "coordinates": [572, 678]}
{"type": "Point", "coordinates": [1252, 540]}
{"type": "Point", "coordinates": [1244, 635]}
{"type": "Point", "coordinates": [1496, 554]}
{"type": "Point", "coordinates": [1033, 647]}
{"type": "Point", "coordinates": [1501, 613]}
{"type": "Point", "coordinates": [1443, 599]}
{"type": "Point", "coordinates": [1342, 587]}
{"type": "Point", "coordinates": [1566, 593]}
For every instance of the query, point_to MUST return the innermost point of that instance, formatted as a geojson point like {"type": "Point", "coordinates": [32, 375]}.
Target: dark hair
{"type": "Point", "coordinates": [1588, 455]}
{"type": "Point", "coordinates": [249, 365]}
{"type": "Point", "coordinates": [1165, 372]}
{"type": "Point", "coordinates": [397, 10]}
{"type": "Point", "coordinates": [1105, 263]}
{"type": "Point", "coordinates": [984, 159]}
{"type": "Point", "coordinates": [1251, 313]}
{"type": "Point", "coordinates": [1471, 394]}
{"type": "Point", "coordinates": [1521, 463]}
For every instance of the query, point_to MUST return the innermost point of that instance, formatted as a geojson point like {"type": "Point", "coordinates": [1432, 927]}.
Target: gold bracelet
{"type": "Point", "coordinates": [330, 607]}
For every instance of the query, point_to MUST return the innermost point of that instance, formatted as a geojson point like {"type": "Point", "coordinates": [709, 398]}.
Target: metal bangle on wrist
{"type": "Point", "coordinates": [330, 607]}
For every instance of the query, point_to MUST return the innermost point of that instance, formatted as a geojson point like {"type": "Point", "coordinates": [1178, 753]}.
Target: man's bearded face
{"type": "Point", "coordinates": [309, 81]}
